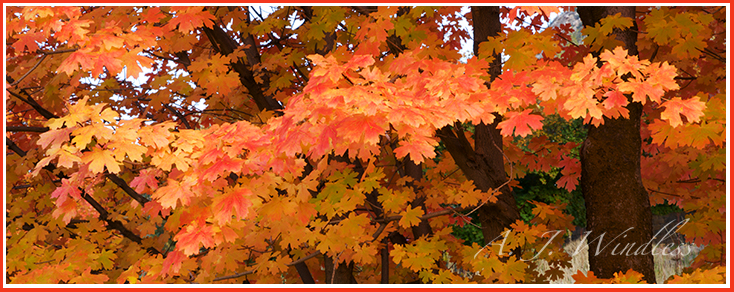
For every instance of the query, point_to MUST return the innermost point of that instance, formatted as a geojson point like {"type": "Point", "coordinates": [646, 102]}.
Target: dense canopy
{"type": "Point", "coordinates": [344, 144]}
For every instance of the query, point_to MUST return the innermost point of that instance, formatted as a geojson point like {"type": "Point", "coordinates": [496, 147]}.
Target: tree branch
{"type": "Point", "coordinates": [670, 194]}
{"type": "Point", "coordinates": [712, 54]}
{"type": "Point", "coordinates": [179, 115]}
{"type": "Point", "coordinates": [114, 224]}
{"type": "Point", "coordinates": [182, 62]}
{"type": "Point", "coordinates": [103, 214]}
{"type": "Point", "coordinates": [225, 45]}
{"type": "Point", "coordinates": [45, 54]}
{"type": "Point", "coordinates": [29, 71]}
{"type": "Point", "coordinates": [127, 189]}
{"type": "Point", "coordinates": [30, 101]}
{"type": "Point", "coordinates": [14, 147]}
{"type": "Point", "coordinates": [301, 260]}
{"type": "Point", "coordinates": [26, 129]}
{"type": "Point", "coordinates": [309, 256]}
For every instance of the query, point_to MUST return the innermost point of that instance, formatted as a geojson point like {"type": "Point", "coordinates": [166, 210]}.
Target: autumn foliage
{"type": "Point", "coordinates": [218, 144]}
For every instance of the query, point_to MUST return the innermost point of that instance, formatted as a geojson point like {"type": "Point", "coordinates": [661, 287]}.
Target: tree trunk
{"type": "Point", "coordinates": [485, 164]}
{"type": "Point", "coordinates": [617, 204]}
{"type": "Point", "coordinates": [415, 171]}
{"type": "Point", "coordinates": [343, 273]}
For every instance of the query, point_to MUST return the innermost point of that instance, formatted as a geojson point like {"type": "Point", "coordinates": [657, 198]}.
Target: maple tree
{"type": "Point", "coordinates": [341, 144]}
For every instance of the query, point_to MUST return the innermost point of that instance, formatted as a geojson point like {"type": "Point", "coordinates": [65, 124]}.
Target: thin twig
{"type": "Point", "coordinates": [30, 101]}
{"type": "Point", "coordinates": [712, 54]}
{"type": "Point", "coordinates": [29, 71]}
{"type": "Point", "coordinates": [670, 194]}
{"type": "Point", "coordinates": [180, 117]}
{"type": "Point", "coordinates": [166, 58]}
{"type": "Point", "coordinates": [502, 185]}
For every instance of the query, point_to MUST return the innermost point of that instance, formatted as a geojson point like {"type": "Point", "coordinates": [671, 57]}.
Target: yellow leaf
{"type": "Point", "coordinates": [120, 149]}
{"type": "Point", "coordinates": [411, 217]}
{"type": "Point", "coordinates": [109, 115]}
{"type": "Point", "coordinates": [67, 159]}
{"type": "Point", "coordinates": [98, 159]}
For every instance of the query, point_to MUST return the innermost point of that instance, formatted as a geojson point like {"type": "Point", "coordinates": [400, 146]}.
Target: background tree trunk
{"type": "Point", "coordinates": [611, 182]}
{"type": "Point", "coordinates": [489, 158]}
{"type": "Point", "coordinates": [484, 163]}
{"type": "Point", "coordinates": [343, 273]}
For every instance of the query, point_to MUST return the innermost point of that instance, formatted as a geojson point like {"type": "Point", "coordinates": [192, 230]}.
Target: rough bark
{"type": "Point", "coordinates": [617, 204]}
{"type": "Point", "coordinates": [343, 273]}
{"type": "Point", "coordinates": [484, 163]}
{"type": "Point", "coordinates": [415, 171]}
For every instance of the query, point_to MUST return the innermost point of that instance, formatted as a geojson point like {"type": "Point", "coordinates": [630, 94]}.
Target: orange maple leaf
{"type": "Point", "coordinates": [641, 90]}
{"type": "Point", "coordinates": [75, 60]}
{"type": "Point", "coordinates": [171, 193]}
{"type": "Point", "coordinates": [134, 62]}
{"type": "Point", "coordinates": [54, 138]}
{"type": "Point", "coordinates": [571, 173]}
{"type": "Point", "coordinates": [691, 108]}
{"type": "Point", "coordinates": [580, 100]}
{"type": "Point", "coordinates": [29, 40]}
{"type": "Point", "coordinates": [98, 159]}
{"type": "Point", "coordinates": [146, 177]}
{"type": "Point", "coordinates": [521, 123]}
{"type": "Point", "coordinates": [234, 202]}
{"type": "Point", "coordinates": [190, 18]}
{"type": "Point", "coordinates": [189, 240]}
{"type": "Point", "coordinates": [662, 75]}
{"type": "Point", "coordinates": [173, 262]}
{"type": "Point", "coordinates": [111, 61]}
{"type": "Point", "coordinates": [417, 148]}
{"type": "Point", "coordinates": [622, 63]}
{"type": "Point", "coordinates": [411, 217]}
{"type": "Point", "coordinates": [88, 278]}
{"type": "Point", "coordinates": [151, 15]}
{"type": "Point", "coordinates": [157, 135]}
{"type": "Point", "coordinates": [589, 278]}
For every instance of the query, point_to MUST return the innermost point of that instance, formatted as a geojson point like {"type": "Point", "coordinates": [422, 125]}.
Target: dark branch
{"type": "Point", "coordinates": [14, 147]}
{"type": "Point", "coordinates": [59, 52]}
{"type": "Point", "coordinates": [103, 214]}
{"type": "Point", "coordinates": [127, 189]}
{"type": "Point", "coordinates": [225, 45]}
{"type": "Point", "coordinates": [30, 101]}
{"type": "Point", "coordinates": [233, 276]}
{"type": "Point", "coordinates": [26, 129]}
{"type": "Point", "coordinates": [712, 54]}
{"type": "Point", "coordinates": [180, 61]}
{"type": "Point", "coordinates": [114, 224]}
{"type": "Point", "coordinates": [29, 71]}
{"type": "Point", "coordinates": [179, 115]}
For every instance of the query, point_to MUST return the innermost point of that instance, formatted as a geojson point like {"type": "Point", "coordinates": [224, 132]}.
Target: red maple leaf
{"type": "Point", "coordinates": [146, 177]}
{"type": "Point", "coordinates": [173, 262]}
